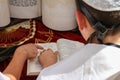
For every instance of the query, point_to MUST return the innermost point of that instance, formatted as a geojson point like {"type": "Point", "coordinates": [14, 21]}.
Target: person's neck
{"type": "Point", "coordinates": [112, 39]}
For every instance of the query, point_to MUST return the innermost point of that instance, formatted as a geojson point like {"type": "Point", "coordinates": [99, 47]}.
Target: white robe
{"type": "Point", "coordinates": [3, 77]}
{"type": "Point", "coordinates": [92, 62]}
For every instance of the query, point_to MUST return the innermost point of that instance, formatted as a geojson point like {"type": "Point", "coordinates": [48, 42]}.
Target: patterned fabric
{"type": "Point", "coordinates": [17, 34]}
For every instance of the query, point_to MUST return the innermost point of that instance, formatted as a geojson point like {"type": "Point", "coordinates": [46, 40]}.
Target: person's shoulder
{"type": "Point", "coordinates": [94, 46]}
{"type": "Point", "coordinates": [101, 48]}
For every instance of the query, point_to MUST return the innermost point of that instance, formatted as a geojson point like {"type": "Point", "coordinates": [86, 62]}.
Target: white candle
{"type": "Point", "coordinates": [25, 8]}
{"type": "Point", "coordinates": [4, 13]}
{"type": "Point", "coordinates": [59, 14]}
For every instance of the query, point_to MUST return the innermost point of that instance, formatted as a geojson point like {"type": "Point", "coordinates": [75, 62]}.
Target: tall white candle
{"type": "Point", "coordinates": [25, 8]}
{"type": "Point", "coordinates": [4, 13]}
{"type": "Point", "coordinates": [59, 14]}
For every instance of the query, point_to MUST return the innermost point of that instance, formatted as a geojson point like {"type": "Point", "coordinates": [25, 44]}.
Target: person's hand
{"type": "Point", "coordinates": [28, 50]}
{"type": "Point", "coordinates": [47, 58]}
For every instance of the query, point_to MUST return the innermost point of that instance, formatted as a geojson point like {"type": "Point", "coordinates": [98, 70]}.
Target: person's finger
{"type": "Point", "coordinates": [56, 53]}
{"type": "Point", "coordinates": [43, 51]}
{"type": "Point", "coordinates": [39, 47]}
{"type": "Point", "coordinates": [50, 50]}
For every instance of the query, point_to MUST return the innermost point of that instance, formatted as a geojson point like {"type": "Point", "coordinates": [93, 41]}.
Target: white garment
{"type": "Point", "coordinates": [92, 62]}
{"type": "Point", "coordinates": [3, 77]}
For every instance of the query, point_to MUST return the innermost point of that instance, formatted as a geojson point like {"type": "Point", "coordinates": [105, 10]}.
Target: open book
{"type": "Point", "coordinates": [65, 48]}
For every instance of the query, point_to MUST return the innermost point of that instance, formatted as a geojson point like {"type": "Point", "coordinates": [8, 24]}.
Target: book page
{"type": "Point", "coordinates": [67, 47]}
{"type": "Point", "coordinates": [33, 66]}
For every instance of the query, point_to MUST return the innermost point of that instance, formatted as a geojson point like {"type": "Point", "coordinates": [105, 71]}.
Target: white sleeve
{"type": "Point", "coordinates": [101, 66]}
{"type": "Point", "coordinates": [3, 77]}
{"type": "Point", "coordinates": [71, 63]}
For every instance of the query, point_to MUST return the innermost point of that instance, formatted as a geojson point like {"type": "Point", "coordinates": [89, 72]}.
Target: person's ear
{"type": "Point", "coordinates": [84, 26]}
{"type": "Point", "coordinates": [80, 20]}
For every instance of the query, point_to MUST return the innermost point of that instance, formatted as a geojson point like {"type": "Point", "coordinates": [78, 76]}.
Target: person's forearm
{"type": "Point", "coordinates": [16, 65]}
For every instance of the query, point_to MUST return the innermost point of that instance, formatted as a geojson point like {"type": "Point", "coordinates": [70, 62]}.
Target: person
{"type": "Point", "coordinates": [99, 23]}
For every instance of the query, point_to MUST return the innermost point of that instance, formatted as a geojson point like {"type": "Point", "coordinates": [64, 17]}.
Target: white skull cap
{"type": "Point", "coordinates": [104, 5]}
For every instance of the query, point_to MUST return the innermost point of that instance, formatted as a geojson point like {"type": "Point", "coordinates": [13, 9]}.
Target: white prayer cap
{"type": "Point", "coordinates": [104, 5]}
